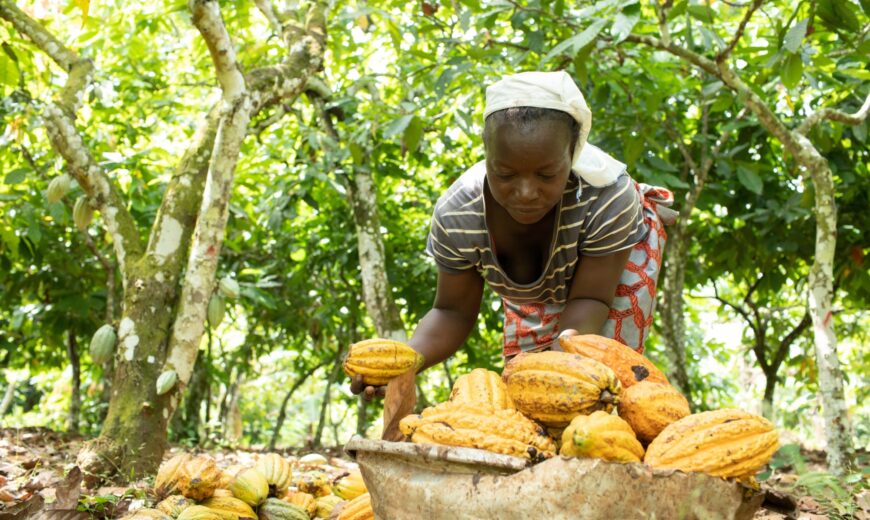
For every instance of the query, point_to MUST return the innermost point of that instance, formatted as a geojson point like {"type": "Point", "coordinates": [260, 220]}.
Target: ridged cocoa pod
{"type": "Point", "coordinates": [250, 486]}
{"type": "Point", "coordinates": [229, 288]}
{"type": "Point", "coordinates": [58, 188]}
{"type": "Point", "coordinates": [314, 483]}
{"type": "Point", "coordinates": [723, 443]}
{"type": "Point", "coordinates": [600, 435]}
{"type": "Point", "coordinates": [482, 386]}
{"type": "Point", "coordinates": [277, 471]}
{"type": "Point", "coordinates": [168, 474]}
{"type": "Point", "coordinates": [276, 509]}
{"type": "Point", "coordinates": [173, 505]}
{"type": "Point", "coordinates": [326, 504]}
{"type": "Point", "coordinates": [630, 366]}
{"type": "Point", "coordinates": [199, 478]}
{"type": "Point", "coordinates": [102, 345]}
{"type": "Point", "coordinates": [500, 431]}
{"type": "Point", "coordinates": [231, 506]}
{"type": "Point", "coordinates": [303, 500]}
{"type": "Point", "coordinates": [360, 508]}
{"type": "Point", "coordinates": [83, 213]}
{"type": "Point", "coordinates": [215, 311]}
{"type": "Point", "coordinates": [229, 474]}
{"type": "Point", "coordinates": [380, 360]}
{"type": "Point", "coordinates": [201, 513]}
{"type": "Point", "coordinates": [349, 486]}
{"type": "Point", "coordinates": [650, 407]}
{"type": "Point", "coordinates": [166, 381]}
{"type": "Point", "coordinates": [555, 387]}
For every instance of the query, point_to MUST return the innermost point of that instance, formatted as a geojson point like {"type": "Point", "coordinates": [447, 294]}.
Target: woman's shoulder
{"type": "Point", "coordinates": [466, 192]}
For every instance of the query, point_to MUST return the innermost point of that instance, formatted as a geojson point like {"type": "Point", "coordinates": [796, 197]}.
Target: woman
{"type": "Point", "coordinates": [549, 222]}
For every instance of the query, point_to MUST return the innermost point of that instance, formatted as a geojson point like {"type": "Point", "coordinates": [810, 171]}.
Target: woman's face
{"type": "Point", "coordinates": [527, 168]}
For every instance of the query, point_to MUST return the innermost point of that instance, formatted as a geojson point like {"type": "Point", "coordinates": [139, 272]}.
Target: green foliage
{"type": "Point", "coordinates": [835, 495]}
{"type": "Point", "coordinates": [409, 85]}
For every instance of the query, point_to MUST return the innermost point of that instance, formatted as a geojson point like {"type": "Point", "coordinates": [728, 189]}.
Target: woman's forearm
{"type": "Point", "coordinates": [440, 334]}
{"type": "Point", "coordinates": [586, 316]}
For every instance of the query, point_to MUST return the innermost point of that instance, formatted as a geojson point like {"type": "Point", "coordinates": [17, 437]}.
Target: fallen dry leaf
{"type": "Point", "coordinates": [40, 481]}
{"type": "Point", "coordinates": [69, 490]}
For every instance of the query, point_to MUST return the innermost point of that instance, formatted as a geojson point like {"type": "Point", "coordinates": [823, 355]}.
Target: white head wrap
{"type": "Point", "coordinates": [557, 91]}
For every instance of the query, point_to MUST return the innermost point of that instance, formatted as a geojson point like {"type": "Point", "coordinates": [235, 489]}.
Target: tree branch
{"type": "Point", "coordinates": [739, 310]}
{"type": "Point", "coordinates": [677, 138]}
{"type": "Point", "coordinates": [265, 7]}
{"type": "Point", "coordinates": [66, 141]}
{"type": "Point", "coordinates": [44, 40]}
{"type": "Point", "coordinates": [235, 112]}
{"type": "Point", "coordinates": [835, 115]}
{"type": "Point", "coordinates": [207, 19]}
{"type": "Point", "coordinates": [721, 70]}
{"type": "Point", "coordinates": [722, 56]}
{"type": "Point", "coordinates": [785, 344]}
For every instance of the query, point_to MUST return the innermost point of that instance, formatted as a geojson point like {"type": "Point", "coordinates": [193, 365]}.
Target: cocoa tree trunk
{"type": "Point", "coordinates": [673, 320]}
{"type": "Point", "coordinates": [167, 279]}
{"type": "Point", "coordinates": [75, 400]}
{"type": "Point", "coordinates": [767, 408]}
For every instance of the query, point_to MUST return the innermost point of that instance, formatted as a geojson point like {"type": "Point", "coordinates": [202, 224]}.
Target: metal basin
{"type": "Point", "coordinates": [415, 481]}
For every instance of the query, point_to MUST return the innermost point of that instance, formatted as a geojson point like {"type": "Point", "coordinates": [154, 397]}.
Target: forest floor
{"type": "Point", "coordinates": [37, 476]}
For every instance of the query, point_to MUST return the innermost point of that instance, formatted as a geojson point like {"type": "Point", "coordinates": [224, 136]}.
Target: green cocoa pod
{"type": "Point", "coordinates": [103, 344]}
{"type": "Point", "coordinates": [277, 509]}
{"type": "Point", "coordinates": [229, 288]}
{"type": "Point", "coordinates": [57, 188]}
{"type": "Point", "coordinates": [166, 381]}
{"type": "Point", "coordinates": [216, 310]}
{"type": "Point", "coordinates": [82, 213]}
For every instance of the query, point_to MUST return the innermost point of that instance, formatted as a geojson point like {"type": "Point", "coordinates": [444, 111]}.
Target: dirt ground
{"type": "Point", "coordinates": [38, 474]}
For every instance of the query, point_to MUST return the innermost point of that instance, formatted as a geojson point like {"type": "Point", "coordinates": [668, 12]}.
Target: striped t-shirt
{"type": "Point", "coordinates": [598, 222]}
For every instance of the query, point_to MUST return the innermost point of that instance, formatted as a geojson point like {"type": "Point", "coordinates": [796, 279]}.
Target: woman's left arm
{"type": "Point", "coordinates": [592, 292]}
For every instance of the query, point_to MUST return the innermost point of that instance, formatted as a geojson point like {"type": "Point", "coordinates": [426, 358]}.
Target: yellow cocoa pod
{"type": "Point", "coordinates": [727, 443]}
{"type": "Point", "coordinates": [314, 483]}
{"type": "Point", "coordinates": [277, 471]}
{"type": "Point", "coordinates": [555, 387]}
{"type": "Point", "coordinates": [199, 478]}
{"type": "Point", "coordinates": [168, 474]}
{"type": "Point", "coordinates": [222, 492]}
{"type": "Point", "coordinates": [173, 505]}
{"type": "Point", "coordinates": [303, 500]}
{"type": "Point", "coordinates": [649, 407]}
{"type": "Point", "coordinates": [201, 513]}
{"type": "Point", "coordinates": [349, 486]}
{"type": "Point", "coordinates": [630, 366]}
{"type": "Point", "coordinates": [482, 386]}
{"type": "Point", "coordinates": [230, 505]}
{"type": "Point", "coordinates": [251, 487]}
{"type": "Point", "coordinates": [326, 504]}
{"type": "Point", "coordinates": [360, 508]}
{"type": "Point", "coordinates": [229, 474]}
{"type": "Point", "coordinates": [500, 431]}
{"type": "Point", "coordinates": [600, 435]}
{"type": "Point", "coordinates": [380, 360]}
